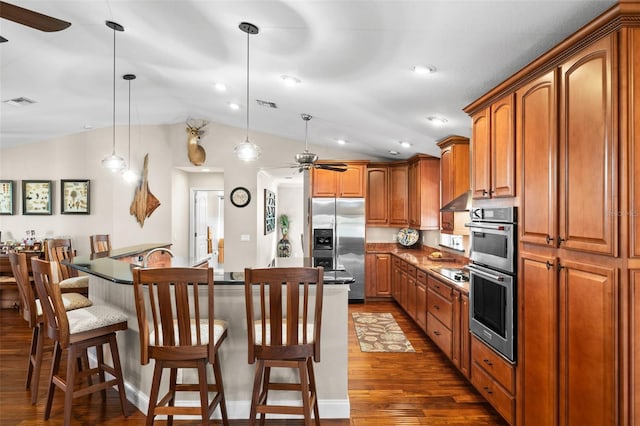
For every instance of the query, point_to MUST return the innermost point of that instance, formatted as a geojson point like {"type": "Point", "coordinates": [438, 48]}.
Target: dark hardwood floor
{"type": "Point", "coordinates": [385, 389]}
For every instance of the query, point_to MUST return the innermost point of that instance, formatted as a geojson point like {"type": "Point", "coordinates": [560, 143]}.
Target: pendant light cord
{"type": "Point", "coordinates": [248, 35]}
{"type": "Point", "coordinates": [129, 159]}
{"type": "Point", "coordinates": [113, 151]}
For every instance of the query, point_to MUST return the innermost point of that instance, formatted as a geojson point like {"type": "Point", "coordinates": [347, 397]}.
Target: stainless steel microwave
{"type": "Point", "coordinates": [493, 238]}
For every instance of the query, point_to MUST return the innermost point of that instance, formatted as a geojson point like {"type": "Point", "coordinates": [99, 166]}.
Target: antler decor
{"type": "Point", "coordinates": [196, 152]}
{"type": "Point", "coordinates": [144, 202]}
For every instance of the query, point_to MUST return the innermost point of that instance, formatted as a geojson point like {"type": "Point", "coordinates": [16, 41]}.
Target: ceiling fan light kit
{"type": "Point", "coordinates": [114, 162]}
{"type": "Point", "coordinates": [247, 150]}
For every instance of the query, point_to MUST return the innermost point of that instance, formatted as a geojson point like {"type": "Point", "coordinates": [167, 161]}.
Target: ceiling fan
{"type": "Point", "coordinates": [30, 18]}
{"type": "Point", "coordinates": [307, 160]}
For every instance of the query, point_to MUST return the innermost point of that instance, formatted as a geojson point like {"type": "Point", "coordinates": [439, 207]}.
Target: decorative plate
{"type": "Point", "coordinates": [408, 237]}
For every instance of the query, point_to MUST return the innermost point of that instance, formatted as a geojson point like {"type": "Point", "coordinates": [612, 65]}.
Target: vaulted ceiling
{"type": "Point", "coordinates": [354, 61]}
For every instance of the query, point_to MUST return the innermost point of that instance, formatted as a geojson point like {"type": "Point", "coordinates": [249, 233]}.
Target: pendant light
{"type": "Point", "coordinates": [247, 151]}
{"type": "Point", "coordinates": [129, 175]}
{"type": "Point", "coordinates": [114, 162]}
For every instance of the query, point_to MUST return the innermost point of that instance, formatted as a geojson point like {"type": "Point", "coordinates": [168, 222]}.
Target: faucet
{"type": "Point", "coordinates": [146, 256]}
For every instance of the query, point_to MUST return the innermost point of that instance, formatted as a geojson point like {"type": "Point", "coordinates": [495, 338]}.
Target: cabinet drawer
{"type": "Point", "coordinates": [440, 334]}
{"type": "Point", "coordinates": [501, 400]}
{"type": "Point", "coordinates": [411, 270]}
{"type": "Point", "coordinates": [440, 308]}
{"type": "Point", "coordinates": [397, 263]}
{"type": "Point", "coordinates": [441, 288]}
{"type": "Point", "coordinates": [494, 364]}
{"type": "Point", "coordinates": [421, 276]}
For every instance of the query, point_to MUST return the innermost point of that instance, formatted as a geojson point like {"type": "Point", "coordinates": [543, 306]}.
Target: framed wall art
{"type": "Point", "coordinates": [6, 197]}
{"type": "Point", "coordinates": [269, 211]}
{"type": "Point", "coordinates": [36, 197]}
{"type": "Point", "coordinates": [74, 196]}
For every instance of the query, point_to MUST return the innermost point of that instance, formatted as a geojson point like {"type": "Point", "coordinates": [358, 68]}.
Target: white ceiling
{"type": "Point", "coordinates": [354, 60]}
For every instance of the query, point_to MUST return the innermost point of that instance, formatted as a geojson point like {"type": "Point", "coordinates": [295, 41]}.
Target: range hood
{"type": "Point", "coordinates": [462, 203]}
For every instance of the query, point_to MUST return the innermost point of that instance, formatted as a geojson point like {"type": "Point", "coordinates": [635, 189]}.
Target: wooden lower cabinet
{"type": "Point", "coordinates": [494, 377]}
{"type": "Point", "coordinates": [568, 341]}
{"type": "Point", "coordinates": [378, 275]}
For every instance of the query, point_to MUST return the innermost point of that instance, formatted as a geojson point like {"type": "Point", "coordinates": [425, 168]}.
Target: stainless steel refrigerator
{"type": "Point", "coordinates": [338, 239]}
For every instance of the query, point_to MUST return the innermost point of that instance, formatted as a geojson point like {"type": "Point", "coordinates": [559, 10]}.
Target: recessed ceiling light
{"type": "Point", "coordinates": [437, 121]}
{"type": "Point", "coordinates": [220, 87]}
{"type": "Point", "coordinates": [234, 106]}
{"type": "Point", "coordinates": [341, 141]}
{"type": "Point", "coordinates": [290, 80]}
{"type": "Point", "coordinates": [88, 127]}
{"type": "Point", "coordinates": [205, 170]}
{"type": "Point", "coordinates": [424, 69]}
{"type": "Point", "coordinates": [392, 152]}
{"type": "Point", "coordinates": [405, 144]}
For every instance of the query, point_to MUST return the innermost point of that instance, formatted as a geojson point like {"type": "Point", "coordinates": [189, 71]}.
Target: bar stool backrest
{"type": "Point", "coordinates": [99, 243]}
{"type": "Point", "coordinates": [27, 295]}
{"type": "Point", "coordinates": [50, 296]}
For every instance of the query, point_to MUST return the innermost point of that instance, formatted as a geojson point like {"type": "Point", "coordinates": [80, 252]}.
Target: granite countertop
{"type": "Point", "coordinates": [419, 257]}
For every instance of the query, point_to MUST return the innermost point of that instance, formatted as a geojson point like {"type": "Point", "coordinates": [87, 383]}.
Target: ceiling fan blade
{"type": "Point", "coordinates": [3, 40]}
{"type": "Point", "coordinates": [31, 18]}
{"type": "Point", "coordinates": [331, 167]}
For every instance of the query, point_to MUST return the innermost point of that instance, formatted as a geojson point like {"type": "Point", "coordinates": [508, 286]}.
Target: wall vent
{"type": "Point", "coordinates": [21, 101]}
{"type": "Point", "coordinates": [266, 104]}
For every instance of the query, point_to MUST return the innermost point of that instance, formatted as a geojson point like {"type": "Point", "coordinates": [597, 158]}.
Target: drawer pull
{"type": "Point", "coordinates": [436, 307]}
{"type": "Point", "coordinates": [437, 287]}
{"type": "Point", "coordinates": [489, 391]}
{"type": "Point", "coordinates": [486, 361]}
{"type": "Point", "coordinates": [437, 333]}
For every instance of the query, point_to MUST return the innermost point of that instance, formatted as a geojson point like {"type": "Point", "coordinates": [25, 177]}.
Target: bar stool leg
{"type": "Point", "coordinates": [72, 357]}
{"type": "Point", "coordinates": [217, 374]}
{"type": "Point", "coordinates": [155, 387]}
{"type": "Point", "coordinates": [55, 366]}
{"type": "Point", "coordinates": [115, 357]}
{"type": "Point", "coordinates": [35, 361]}
{"type": "Point", "coordinates": [173, 382]}
{"type": "Point", "coordinates": [312, 385]}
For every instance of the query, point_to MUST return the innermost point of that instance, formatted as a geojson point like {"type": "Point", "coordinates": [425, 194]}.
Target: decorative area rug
{"type": "Point", "coordinates": [379, 332]}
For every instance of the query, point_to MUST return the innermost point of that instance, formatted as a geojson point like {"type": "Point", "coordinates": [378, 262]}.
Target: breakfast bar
{"type": "Point", "coordinates": [111, 281]}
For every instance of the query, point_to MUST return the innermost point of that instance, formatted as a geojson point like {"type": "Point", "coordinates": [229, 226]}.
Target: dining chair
{"type": "Point", "coordinates": [284, 316]}
{"type": "Point", "coordinates": [57, 250]}
{"type": "Point", "coordinates": [32, 313]}
{"type": "Point", "coordinates": [75, 332]}
{"type": "Point", "coordinates": [99, 243]}
{"type": "Point", "coordinates": [178, 329]}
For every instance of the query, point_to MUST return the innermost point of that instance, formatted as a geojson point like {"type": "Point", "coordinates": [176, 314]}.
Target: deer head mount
{"type": "Point", "coordinates": [196, 153]}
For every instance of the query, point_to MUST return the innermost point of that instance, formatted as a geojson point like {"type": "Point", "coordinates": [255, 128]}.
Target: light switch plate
{"type": "Point", "coordinates": [245, 237]}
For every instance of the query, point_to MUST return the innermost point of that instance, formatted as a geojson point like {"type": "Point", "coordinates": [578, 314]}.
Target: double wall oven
{"type": "Point", "coordinates": [492, 275]}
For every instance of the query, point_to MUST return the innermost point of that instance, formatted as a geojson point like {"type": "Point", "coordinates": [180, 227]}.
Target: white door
{"type": "Point", "coordinates": [200, 224]}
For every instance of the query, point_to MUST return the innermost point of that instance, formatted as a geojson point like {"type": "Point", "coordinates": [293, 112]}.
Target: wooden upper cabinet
{"type": "Point", "coordinates": [424, 192]}
{"type": "Point", "coordinates": [493, 151]}
{"type": "Point", "coordinates": [377, 195]}
{"type": "Point", "coordinates": [398, 195]}
{"type": "Point", "coordinates": [454, 174]}
{"type": "Point", "coordinates": [537, 124]}
{"type": "Point", "coordinates": [348, 184]}
{"type": "Point", "coordinates": [588, 148]}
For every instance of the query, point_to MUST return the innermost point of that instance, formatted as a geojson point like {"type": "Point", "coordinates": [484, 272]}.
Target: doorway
{"type": "Point", "coordinates": [207, 238]}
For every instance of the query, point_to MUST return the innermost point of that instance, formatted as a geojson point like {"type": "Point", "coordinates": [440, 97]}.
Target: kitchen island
{"type": "Point", "coordinates": [111, 281]}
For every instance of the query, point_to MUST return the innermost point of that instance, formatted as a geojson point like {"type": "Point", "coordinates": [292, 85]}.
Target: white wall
{"type": "Point", "coordinates": [78, 156]}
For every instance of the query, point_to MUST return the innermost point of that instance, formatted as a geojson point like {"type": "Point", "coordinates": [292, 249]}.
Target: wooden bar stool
{"type": "Point", "coordinates": [283, 330]}
{"type": "Point", "coordinates": [99, 243]}
{"type": "Point", "coordinates": [76, 331]}
{"type": "Point", "coordinates": [57, 250]}
{"type": "Point", "coordinates": [33, 315]}
{"type": "Point", "coordinates": [179, 330]}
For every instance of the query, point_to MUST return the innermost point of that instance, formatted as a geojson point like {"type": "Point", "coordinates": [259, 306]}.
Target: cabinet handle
{"type": "Point", "coordinates": [549, 239]}
{"type": "Point", "coordinates": [484, 192]}
{"type": "Point", "coordinates": [561, 240]}
{"type": "Point", "coordinates": [437, 333]}
{"type": "Point", "coordinates": [486, 361]}
{"type": "Point", "coordinates": [437, 287]}
{"type": "Point", "coordinates": [492, 191]}
{"type": "Point", "coordinates": [549, 265]}
{"type": "Point", "coordinates": [436, 307]}
{"type": "Point", "coordinates": [560, 267]}
{"type": "Point", "coordinates": [489, 391]}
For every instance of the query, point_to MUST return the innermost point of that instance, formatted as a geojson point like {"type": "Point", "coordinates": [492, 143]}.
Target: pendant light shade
{"type": "Point", "coordinates": [114, 162]}
{"type": "Point", "coordinates": [129, 175]}
{"type": "Point", "coordinates": [247, 150]}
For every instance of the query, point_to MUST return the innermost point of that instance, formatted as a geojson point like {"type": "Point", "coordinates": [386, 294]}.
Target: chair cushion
{"type": "Point", "coordinates": [94, 317]}
{"type": "Point", "coordinates": [219, 327]}
{"type": "Point", "coordinates": [75, 282]}
{"type": "Point", "coordinates": [71, 301]}
{"type": "Point", "coordinates": [257, 326]}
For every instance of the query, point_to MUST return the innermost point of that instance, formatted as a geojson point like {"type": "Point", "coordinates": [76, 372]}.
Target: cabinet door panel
{"type": "Point", "coordinates": [383, 272]}
{"type": "Point", "coordinates": [537, 127]}
{"type": "Point", "coordinates": [324, 183]}
{"type": "Point", "coordinates": [635, 345]}
{"type": "Point", "coordinates": [538, 335]}
{"type": "Point", "coordinates": [377, 195]}
{"type": "Point", "coordinates": [351, 182]}
{"type": "Point", "coordinates": [634, 142]}
{"type": "Point", "coordinates": [502, 148]}
{"type": "Point", "coordinates": [588, 344]}
{"type": "Point", "coordinates": [480, 155]}
{"type": "Point", "coordinates": [465, 336]}
{"type": "Point", "coordinates": [399, 195]}
{"type": "Point", "coordinates": [588, 151]}
{"type": "Point", "coordinates": [446, 192]}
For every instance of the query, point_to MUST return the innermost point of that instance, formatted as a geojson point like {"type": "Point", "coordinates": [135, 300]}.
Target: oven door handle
{"type": "Point", "coordinates": [485, 226]}
{"type": "Point", "coordinates": [484, 274]}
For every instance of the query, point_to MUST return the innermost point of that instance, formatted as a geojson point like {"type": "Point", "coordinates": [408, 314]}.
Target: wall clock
{"type": "Point", "coordinates": [240, 196]}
